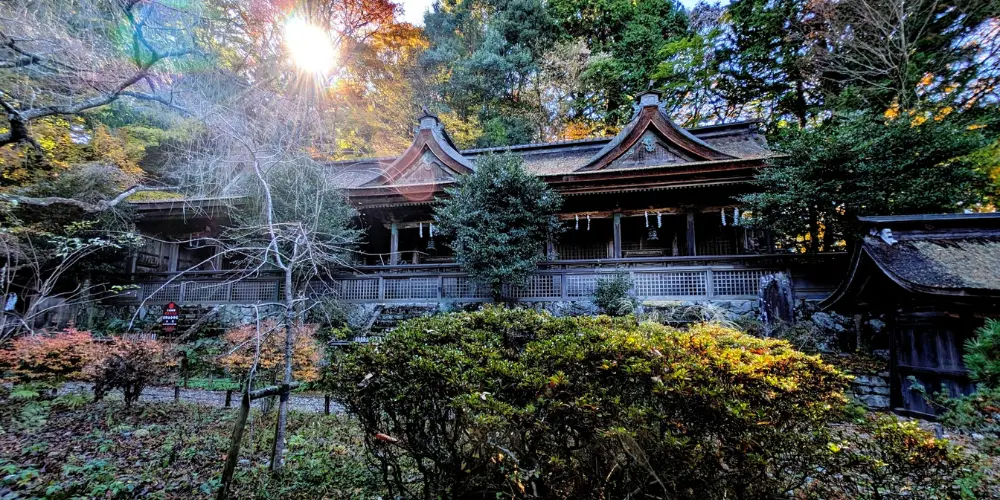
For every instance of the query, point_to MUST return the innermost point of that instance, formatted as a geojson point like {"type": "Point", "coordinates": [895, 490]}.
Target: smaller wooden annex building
{"type": "Point", "coordinates": [934, 278]}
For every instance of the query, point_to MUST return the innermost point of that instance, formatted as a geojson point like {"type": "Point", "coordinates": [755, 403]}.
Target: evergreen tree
{"type": "Point", "coordinates": [857, 165]}
{"type": "Point", "coordinates": [625, 38]}
{"type": "Point", "coordinates": [485, 56]}
{"type": "Point", "coordinates": [982, 355]}
{"type": "Point", "coordinates": [500, 218]}
{"type": "Point", "coordinates": [767, 59]}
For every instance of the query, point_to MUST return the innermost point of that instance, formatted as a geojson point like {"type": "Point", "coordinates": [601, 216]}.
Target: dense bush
{"type": "Point", "coordinates": [674, 313]}
{"type": "Point", "coordinates": [50, 358]}
{"type": "Point", "coordinates": [885, 458]}
{"type": "Point", "coordinates": [517, 403]}
{"type": "Point", "coordinates": [129, 366]}
{"type": "Point", "coordinates": [499, 218]}
{"type": "Point", "coordinates": [614, 296]}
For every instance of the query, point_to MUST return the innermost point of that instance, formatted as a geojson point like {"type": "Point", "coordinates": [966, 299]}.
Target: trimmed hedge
{"type": "Point", "coordinates": [519, 403]}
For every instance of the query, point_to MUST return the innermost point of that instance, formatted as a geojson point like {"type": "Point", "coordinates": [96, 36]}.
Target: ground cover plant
{"type": "Point", "coordinates": [68, 447]}
{"type": "Point", "coordinates": [516, 403]}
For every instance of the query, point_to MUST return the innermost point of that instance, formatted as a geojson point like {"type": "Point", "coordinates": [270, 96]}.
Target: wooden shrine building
{"type": "Point", "coordinates": [657, 199]}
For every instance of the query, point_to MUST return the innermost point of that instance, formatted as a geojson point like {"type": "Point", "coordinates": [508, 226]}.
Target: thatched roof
{"type": "Point", "coordinates": [941, 263]}
{"type": "Point", "coordinates": [947, 254]}
{"type": "Point", "coordinates": [650, 140]}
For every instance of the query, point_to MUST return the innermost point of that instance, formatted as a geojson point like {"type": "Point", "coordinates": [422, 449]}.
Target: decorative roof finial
{"type": "Point", "coordinates": [426, 120]}
{"type": "Point", "coordinates": [650, 97]}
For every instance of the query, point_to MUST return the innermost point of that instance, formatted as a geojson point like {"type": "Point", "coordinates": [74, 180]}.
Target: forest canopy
{"type": "Point", "coordinates": [129, 91]}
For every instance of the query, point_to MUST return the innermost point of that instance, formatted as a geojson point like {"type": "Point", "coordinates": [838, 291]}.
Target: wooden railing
{"type": "Point", "coordinates": [204, 290]}
{"type": "Point", "coordinates": [664, 283]}
{"type": "Point", "coordinates": [654, 278]}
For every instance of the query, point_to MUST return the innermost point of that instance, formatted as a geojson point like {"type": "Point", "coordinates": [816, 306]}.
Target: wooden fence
{"type": "Point", "coordinates": [557, 281]}
{"type": "Point", "coordinates": [675, 283]}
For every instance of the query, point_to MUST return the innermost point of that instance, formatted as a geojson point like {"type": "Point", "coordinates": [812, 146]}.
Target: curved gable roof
{"type": "Point", "coordinates": [432, 158]}
{"type": "Point", "coordinates": [651, 138]}
{"type": "Point", "coordinates": [934, 254]}
{"type": "Point", "coordinates": [650, 143]}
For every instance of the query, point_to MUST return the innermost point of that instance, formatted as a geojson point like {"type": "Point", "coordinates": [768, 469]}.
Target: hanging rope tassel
{"type": "Point", "coordinates": [736, 216]}
{"type": "Point", "coordinates": [421, 230]}
{"type": "Point", "coordinates": [576, 227]}
{"type": "Point", "coordinates": [722, 212]}
{"type": "Point", "coordinates": [588, 222]}
{"type": "Point", "coordinates": [645, 215]}
{"type": "Point", "coordinates": [659, 220]}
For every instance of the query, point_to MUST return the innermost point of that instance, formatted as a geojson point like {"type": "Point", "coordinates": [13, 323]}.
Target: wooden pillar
{"type": "Point", "coordinates": [175, 249]}
{"type": "Point", "coordinates": [617, 235]}
{"type": "Point", "coordinates": [692, 249]}
{"type": "Point", "coordinates": [393, 244]}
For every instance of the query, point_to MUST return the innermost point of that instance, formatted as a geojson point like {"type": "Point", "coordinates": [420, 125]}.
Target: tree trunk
{"type": "Point", "coordinates": [234, 446]}
{"type": "Point", "coordinates": [277, 458]}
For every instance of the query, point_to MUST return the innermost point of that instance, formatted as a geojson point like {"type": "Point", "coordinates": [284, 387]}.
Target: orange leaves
{"type": "Point", "coordinates": [266, 348]}
{"type": "Point", "coordinates": [56, 357]}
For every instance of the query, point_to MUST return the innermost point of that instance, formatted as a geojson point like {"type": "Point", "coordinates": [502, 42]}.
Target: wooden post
{"type": "Point", "coordinates": [393, 244]}
{"type": "Point", "coordinates": [177, 394]}
{"type": "Point", "coordinates": [241, 422]}
{"type": "Point", "coordinates": [326, 404]}
{"type": "Point", "coordinates": [229, 398]}
{"type": "Point", "coordinates": [692, 249]}
{"type": "Point", "coordinates": [234, 447]}
{"type": "Point", "coordinates": [174, 257]}
{"type": "Point", "coordinates": [617, 235]}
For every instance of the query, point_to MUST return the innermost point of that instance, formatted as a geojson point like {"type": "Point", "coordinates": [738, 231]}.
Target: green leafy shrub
{"type": "Point", "coordinates": [518, 403]}
{"type": "Point", "coordinates": [673, 313]}
{"type": "Point", "coordinates": [887, 458]}
{"type": "Point", "coordinates": [498, 219]}
{"type": "Point", "coordinates": [982, 354]}
{"type": "Point", "coordinates": [976, 413]}
{"type": "Point", "coordinates": [613, 295]}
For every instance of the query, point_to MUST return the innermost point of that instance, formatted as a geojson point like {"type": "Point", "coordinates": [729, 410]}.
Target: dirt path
{"type": "Point", "coordinates": [303, 403]}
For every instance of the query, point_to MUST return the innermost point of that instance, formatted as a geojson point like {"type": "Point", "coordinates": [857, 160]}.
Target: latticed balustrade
{"type": "Point", "coordinates": [445, 283]}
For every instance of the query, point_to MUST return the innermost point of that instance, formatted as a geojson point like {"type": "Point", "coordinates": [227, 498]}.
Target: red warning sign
{"type": "Point", "coordinates": [169, 319]}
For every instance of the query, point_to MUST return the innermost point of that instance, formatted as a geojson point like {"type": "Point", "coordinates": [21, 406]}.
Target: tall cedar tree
{"type": "Point", "coordinates": [484, 58]}
{"type": "Point", "coordinates": [625, 39]}
{"type": "Point", "coordinates": [500, 218]}
{"type": "Point", "coordinates": [862, 165]}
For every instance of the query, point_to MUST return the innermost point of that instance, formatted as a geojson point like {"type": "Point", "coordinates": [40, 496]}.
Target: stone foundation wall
{"type": "Point", "coordinates": [359, 315]}
{"type": "Point", "coordinates": [872, 390]}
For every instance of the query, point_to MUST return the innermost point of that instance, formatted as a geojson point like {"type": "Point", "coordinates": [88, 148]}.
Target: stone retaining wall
{"type": "Point", "coordinates": [872, 390]}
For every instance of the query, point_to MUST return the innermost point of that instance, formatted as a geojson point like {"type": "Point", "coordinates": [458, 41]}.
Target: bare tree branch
{"type": "Point", "coordinates": [48, 201]}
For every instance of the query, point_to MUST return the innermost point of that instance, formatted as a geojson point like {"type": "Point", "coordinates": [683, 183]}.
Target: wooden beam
{"type": "Point", "coordinates": [411, 225]}
{"type": "Point", "coordinates": [618, 236]}
{"type": "Point", "coordinates": [639, 212]}
{"type": "Point", "coordinates": [393, 244]}
{"type": "Point", "coordinates": [692, 249]}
